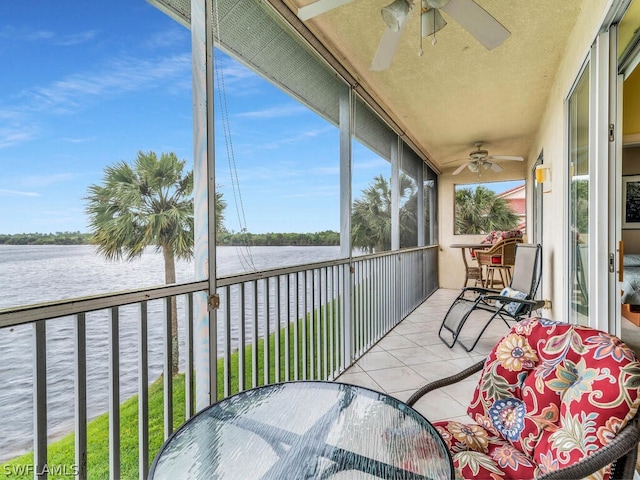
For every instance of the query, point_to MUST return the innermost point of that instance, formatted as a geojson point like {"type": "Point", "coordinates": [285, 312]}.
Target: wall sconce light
{"type": "Point", "coordinates": [543, 176]}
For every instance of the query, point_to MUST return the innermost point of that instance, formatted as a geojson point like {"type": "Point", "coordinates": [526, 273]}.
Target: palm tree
{"type": "Point", "coordinates": [371, 214]}
{"type": "Point", "coordinates": [147, 203]}
{"type": "Point", "coordinates": [482, 211]}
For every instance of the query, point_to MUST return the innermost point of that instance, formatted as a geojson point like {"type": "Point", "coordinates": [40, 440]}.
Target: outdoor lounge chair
{"type": "Point", "coordinates": [553, 401]}
{"type": "Point", "coordinates": [511, 303]}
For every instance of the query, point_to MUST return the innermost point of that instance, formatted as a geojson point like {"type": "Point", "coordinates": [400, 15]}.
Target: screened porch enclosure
{"type": "Point", "coordinates": [310, 321]}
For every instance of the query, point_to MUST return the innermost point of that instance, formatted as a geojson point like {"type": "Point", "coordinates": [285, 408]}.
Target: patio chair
{"type": "Point", "coordinates": [553, 401]}
{"type": "Point", "coordinates": [498, 259]}
{"type": "Point", "coordinates": [511, 303]}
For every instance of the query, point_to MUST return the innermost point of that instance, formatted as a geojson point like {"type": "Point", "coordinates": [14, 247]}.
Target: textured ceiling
{"type": "Point", "coordinates": [457, 92]}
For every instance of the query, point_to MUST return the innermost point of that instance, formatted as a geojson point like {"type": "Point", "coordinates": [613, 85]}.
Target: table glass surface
{"type": "Point", "coordinates": [303, 430]}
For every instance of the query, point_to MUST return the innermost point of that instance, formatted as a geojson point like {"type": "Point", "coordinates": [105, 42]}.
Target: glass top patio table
{"type": "Point", "coordinates": [304, 430]}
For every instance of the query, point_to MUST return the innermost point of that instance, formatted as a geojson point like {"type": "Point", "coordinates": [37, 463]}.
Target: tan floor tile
{"type": "Point", "coordinates": [412, 355]}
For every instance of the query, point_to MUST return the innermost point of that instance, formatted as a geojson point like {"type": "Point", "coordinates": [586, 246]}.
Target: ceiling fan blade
{"type": "Point", "coordinates": [475, 20]}
{"type": "Point", "coordinates": [495, 167]}
{"type": "Point", "coordinates": [319, 7]}
{"type": "Point", "coordinates": [459, 169]}
{"type": "Point", "coordinates": [387, 46]}
{"type": "Point", "coordinates": [506, 157]}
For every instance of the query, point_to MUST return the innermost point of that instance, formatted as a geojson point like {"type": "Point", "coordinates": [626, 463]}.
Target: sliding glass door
{"type": "Point", "coordinates": [578, 188]}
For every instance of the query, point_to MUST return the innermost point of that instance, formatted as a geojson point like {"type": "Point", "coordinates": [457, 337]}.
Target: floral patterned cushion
{"type": "Point", "coordinates": [550, 394]}
{"type": "Point", "coordinates": [480, 453]}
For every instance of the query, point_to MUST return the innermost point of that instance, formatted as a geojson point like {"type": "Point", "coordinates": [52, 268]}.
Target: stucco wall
{"type": "Point", "coordinates": [551, 140]}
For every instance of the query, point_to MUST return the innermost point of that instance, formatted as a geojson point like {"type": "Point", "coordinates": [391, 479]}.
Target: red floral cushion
{"type": "Point", "coordinates": [510, 234]}
{"type": "Point", "coordinates": [480, 453]}
{"type": "Point", "coordinates": [555, 392]}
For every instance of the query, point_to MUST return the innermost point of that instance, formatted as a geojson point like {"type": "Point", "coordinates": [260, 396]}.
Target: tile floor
{"type": "Point", "coordinates": [412, 355]}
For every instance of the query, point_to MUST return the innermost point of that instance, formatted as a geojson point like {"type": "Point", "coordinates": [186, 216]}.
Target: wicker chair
{"type": "Point", "coordinates": [498, 259]}
{"type": "Point", "coordinates": [554, 401]}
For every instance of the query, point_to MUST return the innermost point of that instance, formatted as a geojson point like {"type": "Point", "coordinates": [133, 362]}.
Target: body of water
{"type": "Point", "coordinates": [35, 274]}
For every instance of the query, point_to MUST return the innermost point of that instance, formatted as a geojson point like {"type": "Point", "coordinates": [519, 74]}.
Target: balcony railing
{"type": "Point", "coordinates": [304, 322]}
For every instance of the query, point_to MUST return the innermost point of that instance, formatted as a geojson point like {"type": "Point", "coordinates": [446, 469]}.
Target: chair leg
{"type": "Point", "coordinates": [489, 277]}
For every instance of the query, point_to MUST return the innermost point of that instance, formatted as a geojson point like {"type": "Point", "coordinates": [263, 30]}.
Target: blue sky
{"type": "Point", "coordinates": [83, 88]}
{"type": "Point", "coordinates": [87, 84]}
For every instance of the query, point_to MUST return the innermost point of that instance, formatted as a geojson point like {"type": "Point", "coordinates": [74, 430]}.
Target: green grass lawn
{"type": "Point", "coordinates": [61, 453]}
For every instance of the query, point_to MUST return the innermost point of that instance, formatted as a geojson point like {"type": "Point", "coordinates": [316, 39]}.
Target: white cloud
{"type": "Point", "coordinates": [14, 135]}
{"type": "Point", "coordinates": [24, 34]}
{"type": "Point", "coordinates": [78, 140]}
{"type": "Point", "coordinates": [277, 111]}
{"type": "Point", "coordinates": [123, 75]}
{"type": "Point", "coordinates": [75, 39]}
{"type": "Point", "coordinates": [16, 193]}
{"type": "Point", "coordinates": [47, 180]}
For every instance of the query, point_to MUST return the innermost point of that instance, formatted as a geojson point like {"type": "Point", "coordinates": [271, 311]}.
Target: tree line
{"type": "Point", "coordinates": [57, 238]}
{"type": "Point", "coordinates": [325, 238]}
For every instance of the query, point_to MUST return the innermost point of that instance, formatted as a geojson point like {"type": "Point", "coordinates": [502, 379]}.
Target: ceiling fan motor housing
{"type": "Point", "coordinates": [479, 154]}
{"type": "Point", "coordinates": [437, 3]}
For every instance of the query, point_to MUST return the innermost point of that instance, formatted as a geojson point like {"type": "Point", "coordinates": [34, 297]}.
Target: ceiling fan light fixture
{"type": "Point", "coordinates": [486, 165]}
{"type": "Point", "coordinates": [473, 166]}
{"type": "Point", "coordinates": [432, 20]}
{"type": "Point", "coordinates": [395, 13]}
{"type": "Point", "coordinates": [436, 3]}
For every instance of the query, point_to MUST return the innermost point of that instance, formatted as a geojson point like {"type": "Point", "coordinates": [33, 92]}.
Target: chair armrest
{"type": "Point", "coordinates": [533, 304]}
{"type": "Point", "coordinates": [624, 442]}
{"type": "Point", "coordinates": [480, 290]}
{"type": "Point", "coordinates": [443, 382]}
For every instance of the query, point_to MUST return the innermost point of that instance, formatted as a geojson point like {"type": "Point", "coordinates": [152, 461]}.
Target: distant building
{"type": "Point", "coordinates": [517, 201]}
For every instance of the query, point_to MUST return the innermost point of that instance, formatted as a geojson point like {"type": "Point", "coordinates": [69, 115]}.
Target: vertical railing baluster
{"type": "Point", "coordinates": [332, 321]}
{"type": "Point", "coordinates": [241, 339]}
{"type": "Point", "coordinates": [359, 281]}
{"type": "Point", "coordinates": [276, 307]}
{"type": "Point", "coordinates": [227, 343]}
{"type": "Point", "coordinates": [254, 335]}
{"type": "Point", "coordinates": [143, 392]}
{"type": "Point", "coordinates": [168, 370]}
{"type": "Point", "coordinates": [81, 396]}
{"type": "Point", "coordinates": [373, 311]}
{"type": "Point", "coordinates": [267, 330]}
{"type": "Point", "coordinates": [362, 339]}
{"type": "Point", "coordinates": [340, 319]}
{"type": "Point", "coordinates": [40, 399]}
{"type": "Point", "coordinates": [296, 327]}
{"type": "Point", "coordinates": [387, 291]}
{"type": "Point", "coordinates": [315, 321]}
{"type": "Point", "coordinates": [302, 316]}
{"type": "Point", "coordinates": [324, 306]}
{"type": "Point", "coordinates": [189, 397]}
{"type": "Point", "coordinates": [366, 266]}
{"type": "Point", "coordinates": [114, 395]}
{"type": "Point", "coordinates": [287, 331]}
{"type": "Point", "coordinates": [309, 285]}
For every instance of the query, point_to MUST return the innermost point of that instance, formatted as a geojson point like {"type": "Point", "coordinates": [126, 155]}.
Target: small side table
{"type": "Point", "coordinates": [471, 272]}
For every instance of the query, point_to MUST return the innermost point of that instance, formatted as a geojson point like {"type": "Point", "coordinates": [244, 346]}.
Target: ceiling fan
{"type": "Point", "coordinates": [480, 160]}
{"type": "Point", "coordinates": [471, 16]}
